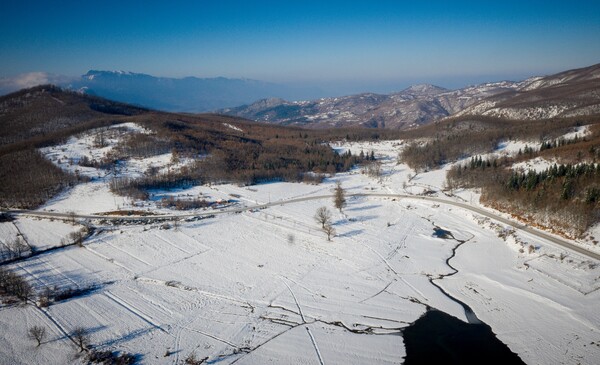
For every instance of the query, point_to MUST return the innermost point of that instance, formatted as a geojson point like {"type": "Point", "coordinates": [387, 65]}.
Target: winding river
{"type": "Point", "coordinates": [438, 337]}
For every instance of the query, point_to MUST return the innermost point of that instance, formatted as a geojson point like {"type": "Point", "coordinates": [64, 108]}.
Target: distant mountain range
{"type": "Point", "coordinates": [416, 105]}
{"type": "Point", "coordinates": [189, 94]}
{"type": "Point", "coordinates": [569, 93]}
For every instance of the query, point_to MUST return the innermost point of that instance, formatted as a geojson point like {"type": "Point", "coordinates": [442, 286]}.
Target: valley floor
{"type": "Point", "coordinates": [265, 286]}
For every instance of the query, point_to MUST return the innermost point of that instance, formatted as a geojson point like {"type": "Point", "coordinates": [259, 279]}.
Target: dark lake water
{"type": "Point", "coordinates": [439, 338]}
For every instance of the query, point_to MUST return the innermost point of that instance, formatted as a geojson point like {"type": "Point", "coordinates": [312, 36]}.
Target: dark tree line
{"type": "Point", "coordinates": [439, 143]}
{"type": "Point", "coordinates": [27, 179]}
{"type": "Point", "coordinates": [546, 145]}
{"type": "Point", "coordinates": [565, 196]}
{"type": "Point", "coordinates": [439, 151]}
{"type": "Point", "coordinates": [183, 204]}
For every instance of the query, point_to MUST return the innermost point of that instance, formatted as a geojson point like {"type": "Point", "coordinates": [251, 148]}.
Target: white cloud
{"type": "Point", "coordinates": [30, 79]}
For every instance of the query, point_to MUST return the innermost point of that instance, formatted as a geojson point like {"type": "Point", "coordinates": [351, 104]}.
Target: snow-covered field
{"type": "Point", "coordinates": [265, 286]}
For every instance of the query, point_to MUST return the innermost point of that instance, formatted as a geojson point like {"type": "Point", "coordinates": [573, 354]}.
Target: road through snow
{"type": "Point", "coordinates": [553, 239]}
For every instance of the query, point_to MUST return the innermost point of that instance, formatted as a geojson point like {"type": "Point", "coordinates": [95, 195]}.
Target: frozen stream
{"type": "Point", "coordinates": [438, 337]}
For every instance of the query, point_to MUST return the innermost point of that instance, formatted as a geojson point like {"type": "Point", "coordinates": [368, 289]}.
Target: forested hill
{"type": "Point", "coordinates": [239, 151]}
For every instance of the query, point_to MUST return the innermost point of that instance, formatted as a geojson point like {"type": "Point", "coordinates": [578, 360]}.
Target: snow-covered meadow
{"type": "Point", "coordinates": [265, 285]}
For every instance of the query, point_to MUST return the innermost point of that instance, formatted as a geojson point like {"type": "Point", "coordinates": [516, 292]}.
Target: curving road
{"type": "Point", "coordinates": [553, 239]}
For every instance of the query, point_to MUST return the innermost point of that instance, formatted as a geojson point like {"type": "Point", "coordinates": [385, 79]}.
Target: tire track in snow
{"type": "Point", "coordinates": [296, 300]}
{"type": "Point", "coordinates": [379, 292]}
{"type": "Point", "coordinates": [178, 339]}
{"type": "Point", "coordinates": [61, 329]}
{"type": "Point", "coordinates": [34, 276]}
{"type": "Point", "coordinates": [380, 256]}
{"type": "Point", "coordinates": [302, 286]}
{"type": "Point", "coordinates": [414, 288]}
{"type": "Point", "coordinates": [109, 259]}
{"type": "Point", "coordinates": [172, 244]}
{"type": "Point", "coordinates": [134, 310]}
{"type": "Point", "coordinates": [265, 342]}
{"type": "Point", "coordinates": [296, 228]}
{"type": "Point", "coordinates": [128, 254]}
{"type": "Point", "coordinates": [402, 244]}
{"type": "Point", "coordinates": [196, 241]}
{"type": "Point", "coordinates": [161, 308]}
{"type": "Point", "coordinates": [212, 336]}
{"type": "Point", "coordinates": [53, 268]}
{"type": "Point", "coordinates": [244, 304]}
{"type": "Point", "coordinates": [312, 338]}
{"type": "Point", "coordinates": [158, 267]}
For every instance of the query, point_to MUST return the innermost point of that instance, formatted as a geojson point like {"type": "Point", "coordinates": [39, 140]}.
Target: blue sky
{"type": "Point", "coordinates": [373, 45]}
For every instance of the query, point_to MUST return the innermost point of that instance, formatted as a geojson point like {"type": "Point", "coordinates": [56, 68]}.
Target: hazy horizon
{"type": "Point", "coordinates": [339, 47]}
{"type": "Point", "coordinates": [317, 89]}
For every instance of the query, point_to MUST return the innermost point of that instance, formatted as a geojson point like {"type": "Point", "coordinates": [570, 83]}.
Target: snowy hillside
{"type": "Point", "coordinates": [416, 105]}
{"type": "Point", "coordinates": [566, 94]}
{"type": "Point", "coordinates": [253, 278]}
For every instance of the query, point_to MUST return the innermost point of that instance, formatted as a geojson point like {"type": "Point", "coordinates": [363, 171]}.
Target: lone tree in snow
{"type": "Point", "coordinates": [323, 216]}
{"type": "Point", "coordinates": [193, 360]}
{"type": "Point", "coordinates": [373, 169]}
{"type": "Point", "coordinates": [329, 231]}
{"type": "Point", "coordinates": [339, 197]}
{"type": "Point", "coordinates": [37, 333]}
{"type": "Point", "coordinates": [81, 337]}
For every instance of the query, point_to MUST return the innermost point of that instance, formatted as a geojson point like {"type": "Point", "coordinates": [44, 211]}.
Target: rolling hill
{"type": "Point", "coordinates": [567, 94]}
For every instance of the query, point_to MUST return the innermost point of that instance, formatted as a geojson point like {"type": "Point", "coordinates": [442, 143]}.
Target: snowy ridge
{"type": "Point", "coordinates": [573, 93]}
{"type": "Point", "coordinates": [567, 94]}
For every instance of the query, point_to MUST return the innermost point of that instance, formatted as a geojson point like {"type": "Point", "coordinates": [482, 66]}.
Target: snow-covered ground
{"type": "Point", "coordinates": [578, 132]}
{"type": "Point", "coordinates": [42, 234]}
{"type": "Point", "coordinates": [69, 154]}
{"type": "Point", "coordinates": [512, 148]}
{"type": "Point", "coordinates": [537, 164]}
{"type": "Point", "coordinates": [266, 285]}
{"type": "Point", "coordinates": [35, 234]}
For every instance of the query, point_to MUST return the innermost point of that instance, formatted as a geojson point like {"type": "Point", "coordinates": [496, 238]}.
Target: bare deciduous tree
{"type": "Point", "coordinates": [339, 198]}
{"type": "Point", "coordinates": [17, 247]}
{"type": "Point", "coordinates": [12, 284]}
{"type": "Point", "coordinates": [81, 337]}
{"type": "Point", "coordinates": [37, 333]}
{"type": "Point", "coordinates": [373, 169]}
{"type": "Point", "coordinates": [71, 218]}
{"type": "Point", "coordinates": [100, 139]}
{"type": "Point", "coordinates": [323, 216]}
{"type": "Point", "coordinates": [47, 296]}
{"type": "Point", "coordinates": [329, 231]}
{"type": "Point", "coordinates": [77, 237]}
{"type": "Point", "coordinates": [191, 359]}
